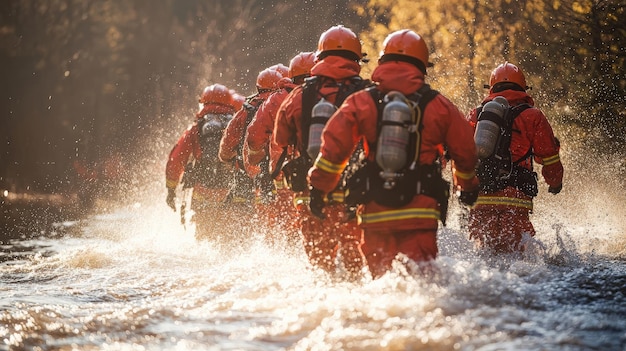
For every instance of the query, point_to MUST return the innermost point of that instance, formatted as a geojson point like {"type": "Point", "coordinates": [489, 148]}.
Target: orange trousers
{"type": "Point", "coordinates": [500, 228]}
{"type": "Point", "coordinates": [325, 239]}
{"type": "Point", "coordinates": [279, 217]}
{"type": "Point", "coordinates": [381, 247]}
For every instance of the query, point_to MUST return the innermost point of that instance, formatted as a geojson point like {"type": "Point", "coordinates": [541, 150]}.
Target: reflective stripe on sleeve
{"type": "Point", "coordinates": [505, 201]}
{"type": "Point", "coordinates": [396, 215]}
{"type": "Point", "coordinates": [463, 175]}
{"type": "Point", "coordinates": [551, 160]}
{"type": "Point", "coordinates": [328, 166]}
{"type": "Point", "coordinates": [171, 184]}
{"type": "Point", "coordinates": [337, 196]}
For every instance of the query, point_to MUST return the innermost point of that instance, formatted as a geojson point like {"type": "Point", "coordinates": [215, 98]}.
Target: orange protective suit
{"type": "Point", "coordinates": [410, 229]}
{"type": "Point", "coordinates": [500, 220]}
{"type": "Point", "coordinates": [322, 238]}
{"type": "Point", "coordinates": [242, 194]}
{"type": "Point", "coordinates": [231, 146]}
{"type": "Point", "coordinates": [208, 197]}
{"type": "Point", "coordinates": [276, 210]}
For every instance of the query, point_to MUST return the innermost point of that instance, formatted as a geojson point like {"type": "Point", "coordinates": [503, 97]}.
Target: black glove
{"type": "Point", "coordinates": [171, 197]}
{"type": "Point", "coordinates": [468, 197]}
{"type": "Point", "coordinates": [555, 189]}
{"type": "Point", "coordinates": [316, 203]}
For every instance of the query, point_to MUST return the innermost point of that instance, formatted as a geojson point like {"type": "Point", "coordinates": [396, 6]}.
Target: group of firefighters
{"type": "Point", "coordinates": [351, 168]}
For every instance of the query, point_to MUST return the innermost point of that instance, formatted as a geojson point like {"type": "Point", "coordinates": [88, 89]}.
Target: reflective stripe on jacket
{"type": "Point", "coordinates": [357, 118]}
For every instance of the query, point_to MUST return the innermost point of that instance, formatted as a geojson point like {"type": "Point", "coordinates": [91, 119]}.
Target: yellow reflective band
{"type": "Point", "coordinates": [171, 184]}
{"type": "Point", "coordinates": [397, 215]}
{"type": "Point", "coordinates": [464, 175]}
{"type": "Point", "coordinates": [328, 166]}
{"type": "Point", "coordinates": [300, 200]}
{"type": "Point", "coordinates": [337, 196]}
{"type": "Point", "coordinates": [279, 184]}
{"type": "Point", "coordinates": [506, 201]}
{"type": "Point", "coordinates": [255, 152]}
{"type": "Point", "coordinates": [551, 160]}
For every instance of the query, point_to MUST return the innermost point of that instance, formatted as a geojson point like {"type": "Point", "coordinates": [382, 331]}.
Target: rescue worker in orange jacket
{"type": "Point", "coordinates": [499, 221]}
{"type": "Point", "coordinates": [261, 155]}
{"type": "Point", "coordinates": [193, 162]}
{"type": "Point", "coordinates": [334, 76]}
{"type": "Point", "coordinates": [401, 202]}
{"type": "Point", "coordinates": [231, 146]}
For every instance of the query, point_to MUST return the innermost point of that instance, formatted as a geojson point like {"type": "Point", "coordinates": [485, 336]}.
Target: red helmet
{"type": "Point", "coordinates": [407, 43]}
{"type": "Point", "coordinates": [301, 64]}
{"type": "Point", "coordinates": [280, 68]}
{"type": "Point", "coordinates": [216, 94]}
{"type": "Point", "coordinates": [268, 79]}
{"type": "Point", "coordinates": [339, 38]}
{"type": "Point", "coordinates": [508, 72]}
{"type": "Point", "coordinates": [238, 99]}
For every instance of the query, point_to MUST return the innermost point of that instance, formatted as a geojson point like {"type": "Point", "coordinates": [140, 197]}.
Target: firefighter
{"type": "Point", "coordinates": [261, 155]}
{"type": "Point", "coordinates": [193, 162]}
{"type": "Point", "coordinates": [334, 76]}
{"type": "Point", "coordinates": [242, 192]}
{"type": "Point", "coordinates": [500, 219]}
{"type": "Point", "coordinates": [403, 124]}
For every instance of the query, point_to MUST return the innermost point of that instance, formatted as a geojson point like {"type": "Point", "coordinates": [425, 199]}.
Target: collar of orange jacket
{"type": "Point", "coordinates": [514, 97]}
{"type": "Point", "coordinates": [336, 67]}
{"type": "Point", "coordinates": [397, 75]}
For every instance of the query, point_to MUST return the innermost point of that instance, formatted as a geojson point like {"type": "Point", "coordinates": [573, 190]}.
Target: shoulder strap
{"type": "Point", "coordinates": [423, 96]}
{"type": "Point", "coordinates": [309, 98]}
{"type": "Point", "coordinates": [514, 112]}
{"type": "Point", "coordinates": [250, 112]}
{"type": "Point", "coordinates": [427, 95]}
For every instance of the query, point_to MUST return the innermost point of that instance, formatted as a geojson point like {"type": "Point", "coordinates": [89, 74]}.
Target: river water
{"type": "Point", "coordinates": [130, 277]}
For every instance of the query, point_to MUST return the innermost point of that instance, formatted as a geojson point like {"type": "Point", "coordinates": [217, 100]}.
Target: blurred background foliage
{"type": "Point", "coordinates": [103, 89]}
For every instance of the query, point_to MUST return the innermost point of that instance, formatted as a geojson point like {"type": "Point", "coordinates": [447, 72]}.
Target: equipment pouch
{"type": "Point", "coordinates": [398, 196]}
{"type": "Point", "coordinates": [525, 180]}
{"type": "Point", "coordinates": [295, 172]}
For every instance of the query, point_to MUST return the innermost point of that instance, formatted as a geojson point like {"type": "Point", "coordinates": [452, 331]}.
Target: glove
{"type": "Point", "coordinates": [555, 189]}
{"type": "Point", "coordinates": [171, 197]}
{"type": "Point", "coordinates": [468, 197]}
{"type": "Point", "coordinates": [316, 203]}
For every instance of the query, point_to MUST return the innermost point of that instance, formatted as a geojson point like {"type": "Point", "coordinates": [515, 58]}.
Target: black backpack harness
{"type": "Point", "coordinates": [295, 171]}
{"type": "Point", "coordinates": [366, 184]}
{"type": "Point", "coordinates": [499, 170]}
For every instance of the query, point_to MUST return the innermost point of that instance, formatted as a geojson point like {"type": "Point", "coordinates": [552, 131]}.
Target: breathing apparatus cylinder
{"type": "Point", "coordinates": [211, 126]}
{"type": "Point", "coordinates": [393, 140]}
{"type": "Point", "coordinates": [319, 116]}
{"type": "Point", "coordinates": [488, 128]}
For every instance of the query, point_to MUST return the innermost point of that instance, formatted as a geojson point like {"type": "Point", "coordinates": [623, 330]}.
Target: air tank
{"type": "Point", "coordinates": [319, 116]}
{"type": "Point", "coordinates": [393, 140]}
{"type": "Point", "coordinates": [488, 128]}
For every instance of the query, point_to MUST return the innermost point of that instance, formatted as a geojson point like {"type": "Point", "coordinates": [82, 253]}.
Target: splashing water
{"type": "Point", "coordinates": [132, 278]}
